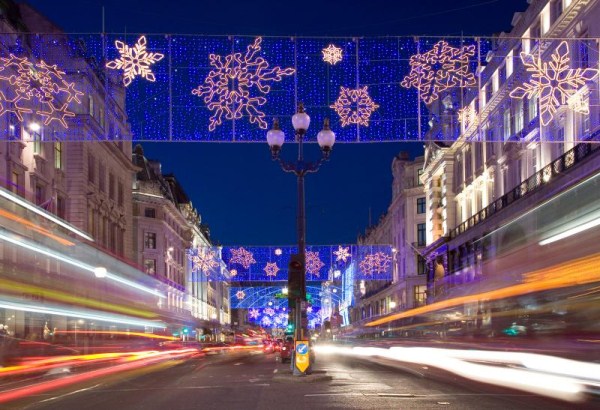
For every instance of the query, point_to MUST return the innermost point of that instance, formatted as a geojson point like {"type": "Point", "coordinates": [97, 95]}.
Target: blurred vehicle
{"type": "Point", "coordinates": [286, 350]}
{"type": "Point", "coordinates": [268, 346]}
{"type": "Point", "coordinates": [277, 345]}
{"type": "Point", "coordinates": [214, 348]}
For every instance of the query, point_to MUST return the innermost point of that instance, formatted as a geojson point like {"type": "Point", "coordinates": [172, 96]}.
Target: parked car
{"type": "Point", "coordinates": [286, 350]}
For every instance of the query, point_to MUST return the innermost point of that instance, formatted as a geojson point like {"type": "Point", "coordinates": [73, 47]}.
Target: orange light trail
{"type": "Point", "coordinates": [34, 227]}
{"type": "Point", "coordinates": [577, 272]}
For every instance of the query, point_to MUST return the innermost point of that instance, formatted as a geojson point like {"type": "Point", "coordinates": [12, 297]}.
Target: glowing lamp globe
{"type": "Point", "coordinates": [275, 137]}
{"type": "Point", "coordinates": [326, 137]}
{"type": "Point", "coordinates": [301, 120]}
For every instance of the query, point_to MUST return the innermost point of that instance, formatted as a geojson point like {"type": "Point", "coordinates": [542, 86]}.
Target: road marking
{"type": "Point", "coordinates": [237, 364]}
{"type": "Point", "coordinates": [333, 394]}
{"type": "Point", "coordinates": [69, 394]}
{"type": "Point", "coordinates": [275, 371]}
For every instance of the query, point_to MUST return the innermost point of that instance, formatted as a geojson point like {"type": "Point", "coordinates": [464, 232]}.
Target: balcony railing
{"type": "Point", "coordinates": [531, 184]}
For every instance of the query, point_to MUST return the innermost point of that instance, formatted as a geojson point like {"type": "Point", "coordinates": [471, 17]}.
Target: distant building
{"type": "Point", "coordinates": [403, 226]}
{"type": "Point", "coordinates": [167, 225]}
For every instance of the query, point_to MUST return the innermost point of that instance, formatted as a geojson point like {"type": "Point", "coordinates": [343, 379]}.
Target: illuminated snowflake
{"type": "Point", "coordinates": [30, 86]}
{"type": "Point", "coordinates": [266, 321]}
{"type": "Point", "coordinates": [375, 263]}
{"type": "Point", "coordinates": [313, 263]}
{"type": "Point", "coordinates": [233, 272]}
{"type": "Point", "coordinates": [439, 69]}
{"type": "Point", "coordinates": [332, 54]}
{"type": "Point", "coordinates": [240, 294]}
{"type": "Point", "coordinates": [342, 253]}
{"type": "Point", "coordinates": [269, 311]}
{"type": "Point", "coordinates": [278, 251]}
{"type": "Point", "coordinates": [271, 269]}
{"type": "Point", "coordinates": [203, 261]}
{"type": "Point", "coordinates": [135, 61]}
{"type": "Point", "coordinates": [229, 88]}
{"type": "Point", "coordinates": [242, 256]}
{"type": "Point", "coordinates": [354, 106]}
{"type": "Point", "coordinates": [554, 82]}
{"type": "Point", "coordinates": [309, 309]}
{"type": "Point", "coordinates": [253, 313]}
{"type": "Point", "coordinates": [278, 320]}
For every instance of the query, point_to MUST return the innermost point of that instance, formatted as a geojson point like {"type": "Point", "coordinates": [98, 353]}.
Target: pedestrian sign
{"type": "Point", "coordinates": [302, 357]}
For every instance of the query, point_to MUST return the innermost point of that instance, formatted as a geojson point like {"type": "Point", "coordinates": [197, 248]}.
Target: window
{"type": "Point", "coordinates": [101, 177]}
{"type": "Point", "coordinates": [421, 234]}
{"type": "Point", "coordinates": [532, 107]}
{"type": "Point", "coordinates": [488, 93]}
{"type": "Point", "coordinates": [58, 155]}
{"type": "Point", "coordinates": [507, 131]}
{"type": "Point", "coordinates": [509, 64]}
{"type": "Point", "coordinates": [489, 137]}
{"type": "Point", "coordinates": [150, 240]}
{"type": "Point", "coordinates": [420, 294]}
{"type": "Point", "coordinates": [111, 186]}
{"type": "Point", "coordinates": [519, 116]}
{"type": "Point", "coordinates": [560, 141]}
{"type": "Point", "coordinates": [92, 222]}
{"type": "Point", "coordinates": [150, 266]}
{"type": "Point", "coordinates": [419, 174]}
{"type": "Point", "coordinates": [468, 163]}
{"type": "Point", "coordinates": [478, 153]}
{"type": "Point", "coordinates": [39, 194]}
{"type": "Point", "coordinates": [60, 207]}
{"type": "Point", "coordinates": [421, 265]}
{"type": "Point", "coordinates": [101, 117]}
{"type": "Point", "coordinates": [14, 127]}
{"type": "Point", "coordinates": [150, 213]}
{"type": "Point", "coordinates": [14, 182]}
{"type": "Point", "coordinates": [91, 105]}
{"type": "Point", "coordinates": [120, 194]}
{"type": "Point", "coordinates": [91, 168]}
{"type": "Point", "coordinates": [556, 10]}
{"type": "Point", "coordinates": [534, 166]}
{"type": "Point", "coordinates": [420, 205]}
{"type": "Point", "coordinates": [36, 137]}
{"type": "Point", "coordinates": [459, 171]}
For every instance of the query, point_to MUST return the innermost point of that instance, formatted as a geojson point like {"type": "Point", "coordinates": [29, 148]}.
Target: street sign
{"type": "Point", "coordinates": [281, 296]}
{"type": "Point", "coordinates": [302, 357]}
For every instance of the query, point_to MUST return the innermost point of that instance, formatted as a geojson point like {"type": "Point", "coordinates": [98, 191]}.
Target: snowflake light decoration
{"type": "Point", "coordinates": [203, 261]}
{"type": "Point", "coordinates": [439, 69]}
{"type": "Point", "coordinates": [309, 309]}
{"type": "Point", "coordinates": [313, 263]}
{"type": "Point", "coordinates": [375, 263]}
{"type": "Point", "coordinates": [253, 313]}
{"type": "Point", "coordinates": [229, 88]}
{"type": "Point", "coordinates": [354, 106]}
{"type": "Point", "coordinates": [271, 269]}
{"type": "Point", "coordinates": [332, 54]}
{"type": "Point", "coordinates": [554, 81]}
{"type": "Point", "coordinates": [242, 256]}
{"type": "Point", "coordinates": [269, 311]}
{"type": "Point", "coordinates": [342, 254]}
{"type": "Point", "coordinates": [278, 252]}
{"type": "Point", "coordinates": [266, 321]}
{"type": "Point", "coordinates": [40, 84]}
{"type": "Point", "coordinates": [135, 61]}
{"type": "Point", "coordinates": [233, 272]}
{"type": "Point", "coordinates": [240, 294]}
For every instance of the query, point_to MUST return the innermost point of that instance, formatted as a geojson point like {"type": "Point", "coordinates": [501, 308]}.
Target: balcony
{"type": "Point", "coordinates": [559, 166]}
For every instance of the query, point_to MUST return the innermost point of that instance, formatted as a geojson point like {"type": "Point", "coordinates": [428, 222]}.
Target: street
{"type": "Point", "coordinates": [252, 380]}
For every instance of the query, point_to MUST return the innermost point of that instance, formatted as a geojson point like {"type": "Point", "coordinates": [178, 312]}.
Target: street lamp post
{"type": "Point", "coordinates": [275, 139]}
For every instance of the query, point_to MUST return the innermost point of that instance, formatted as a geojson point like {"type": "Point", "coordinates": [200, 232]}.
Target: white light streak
{"type": "Point", "coordinates": [13, 198]}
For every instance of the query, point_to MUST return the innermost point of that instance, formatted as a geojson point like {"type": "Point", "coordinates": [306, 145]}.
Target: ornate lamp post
{"type": "Point", "coordinates": [275, 139]}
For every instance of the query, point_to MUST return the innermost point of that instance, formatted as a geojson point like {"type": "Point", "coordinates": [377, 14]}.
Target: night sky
{"type": "Point", "coordinates": [243, 196]}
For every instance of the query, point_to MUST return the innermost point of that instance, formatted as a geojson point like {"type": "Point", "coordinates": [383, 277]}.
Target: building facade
{"type": "Point", "coordinates": [508, 156]}
{"type": "Point", "coordinates": [404, 227]}
{"type": "Point", "coordinates": [167, 225]}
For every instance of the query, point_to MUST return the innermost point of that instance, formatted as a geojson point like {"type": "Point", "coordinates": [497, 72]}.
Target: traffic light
{"type": "Point", "coordinates": [290, 328]}
{"type": "Point", "coordinates": [295, 277]}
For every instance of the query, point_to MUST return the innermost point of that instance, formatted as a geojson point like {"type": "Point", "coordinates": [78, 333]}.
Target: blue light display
{"type": "Point", "coordinates": [277, 318]}
{"type": "Point", "coordinates": [230, 88]}
{"type": "Point", "coordinates": [258, 296]}
{"type": "Point", "coordinates": [274, 73]}
{"type": "Point", "coordinates": [270, 263]}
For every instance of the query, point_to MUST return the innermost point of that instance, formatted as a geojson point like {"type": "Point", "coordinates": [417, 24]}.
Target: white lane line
{"type": "Point", "coordinates": [333, 394]}
{"type": "Point", "coordinates": [70, 393]}
{"type": "Point", "coordinates": [237, 364]}
{"type": "Point", "coordinates": [275, 371]}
